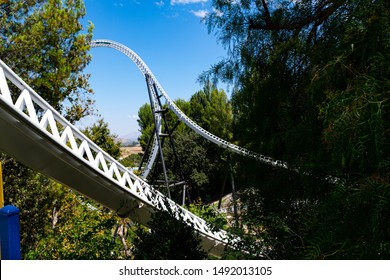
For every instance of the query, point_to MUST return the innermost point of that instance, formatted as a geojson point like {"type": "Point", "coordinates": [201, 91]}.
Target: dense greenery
{"type": "Point", "coordinates": [51, 47]}
{"type": "Point", "coordinates": [44, 42]}
{"type": "Point", "coordinates": [56, 222]}
{"type": "Point", "coordinates": [75, 228]}
{"type": "Point", "coordinates": [311, 87]}
{"type": "Point", "coordinates": [167, 238]}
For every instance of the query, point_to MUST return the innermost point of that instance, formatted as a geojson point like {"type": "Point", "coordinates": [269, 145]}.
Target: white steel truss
{"type": "Point", "coordinates": [190, 123]}
{"type": "Point", "coordinates": [35, 134]}
{"type": "Point", "coordinates": [182, 117]}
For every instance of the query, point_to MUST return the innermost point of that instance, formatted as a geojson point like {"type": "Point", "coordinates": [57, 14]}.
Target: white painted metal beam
{"type": "Point", "coordinates": [35, 134]}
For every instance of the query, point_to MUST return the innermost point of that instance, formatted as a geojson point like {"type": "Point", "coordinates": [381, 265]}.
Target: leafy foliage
{"type": "Point", "coordinates": [100, 134]}
{"type": "Point", "coordinates": [167, 238]}
{"type": "Point", "coordinates": [131, 160]}
{"type": "Point", "coordinates": [66, 224]}
{"type": "Point", "coordinates": [145, 123]}
{"type": "Point", "coordinates": [211, 110]}
{"type": "Point", "coordinates": [311, 87]}
{"type": "Point", "coordinates": [76, 229]}
{"type": "Point", "coordinates": [43, 42]}
{"type": "Point", "coordinates": [215, 220]}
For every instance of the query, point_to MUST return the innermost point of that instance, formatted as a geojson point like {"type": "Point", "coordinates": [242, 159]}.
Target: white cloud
{"type": "Point", "coordinates": [174, 2]}
{"type": "Point", "coordinates": [159, 3]}
{"type": "Point", "coordinates": [200, 13]}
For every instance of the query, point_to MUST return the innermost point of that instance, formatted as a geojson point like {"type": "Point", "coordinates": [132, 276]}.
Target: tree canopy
{"type": "Point", "coordinates": [45, 43]}
{"type": "Point", "coordinates": [311, 87]}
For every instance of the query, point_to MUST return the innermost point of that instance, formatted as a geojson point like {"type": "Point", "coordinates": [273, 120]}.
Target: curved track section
{"type": "Point", "coordinates": [35, 134]}
{"type": "Point", "coordinates": [191, 124]}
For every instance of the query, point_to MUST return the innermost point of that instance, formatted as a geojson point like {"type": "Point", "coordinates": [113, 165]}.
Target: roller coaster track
{"type": "Point", "coordinates": [191, 124]}
{"type": "Point", "coordinates": [34, 133]}
{"type": "Point", "coordinates": [182, 117]}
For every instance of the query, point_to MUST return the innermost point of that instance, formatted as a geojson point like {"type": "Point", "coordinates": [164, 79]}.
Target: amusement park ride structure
{"type": "Point", "coordinates": [35, 134]}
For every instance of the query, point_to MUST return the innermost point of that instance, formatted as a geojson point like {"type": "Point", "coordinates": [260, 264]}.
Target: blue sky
{"type": "Point", "coordinates": [168, 35]}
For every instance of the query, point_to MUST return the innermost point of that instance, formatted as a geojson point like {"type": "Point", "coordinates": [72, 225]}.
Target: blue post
{"type": "Point", "coordinates": [10, 233]}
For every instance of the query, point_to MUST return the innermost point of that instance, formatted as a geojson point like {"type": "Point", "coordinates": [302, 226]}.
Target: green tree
{"type": "Point", "coordinates": [76, 228]}
{"type": "Point", "coordinates": [101, 135]}
{"type": "Point", "coordinates": [68, 225]}
{"type": "Point", "coordinates": [146, 124]}
{"type": "Point", "coordinates": [167, 238]}
{"type": "Point", "coordinates": [44, 43]}
{"type": "Point", "coordinates": [310, 88]}
{"type": "Point", "coordinates": [196, 165]}
{"type": "Point", "coordinates": [131, 161]}
{"type": "Point", "coordinates": [355, 115]}
{"type": "Point", "coordinates": [210, 109]}
{"type": "Point", "coordinates": [33, 194]}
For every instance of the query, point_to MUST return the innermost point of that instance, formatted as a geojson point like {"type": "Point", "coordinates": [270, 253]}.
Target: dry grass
{"type": "Point", "coordinates": [126, 151]}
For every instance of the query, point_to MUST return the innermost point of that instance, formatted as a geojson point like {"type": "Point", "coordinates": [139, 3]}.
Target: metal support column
{"type": "Point", "coordinates": [222, 191]}
{"type": "Point", "coordinates": [169, 132]}
{"type": "Point", "coordinates": [146, 150]}
{"type": "Point", "coordinates": [150, 91]}
{"type": "Point", "coordinates": [233, 191]}
{"type": "Point", "coordinates": [160, 122]}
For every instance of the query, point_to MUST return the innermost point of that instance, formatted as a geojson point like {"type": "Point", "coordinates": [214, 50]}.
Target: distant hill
{"type": "Point", "coordinates": [130, 139]}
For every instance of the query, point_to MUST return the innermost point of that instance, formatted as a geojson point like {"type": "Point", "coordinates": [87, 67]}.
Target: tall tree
{"type": "Point", "coordinates": [211, 109]}
{"type": "Point", "coordinates": [310, 87]}
{"type": "Point", "coordinates": [45, 43]}
{"type": "Point", "coordinates": [76, 228]}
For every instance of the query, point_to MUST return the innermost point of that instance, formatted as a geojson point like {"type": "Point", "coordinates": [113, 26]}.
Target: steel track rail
{"type": "Point", "coordinates": [35, 134]}
{"type": "Point", "coordinates": [183, 117]}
